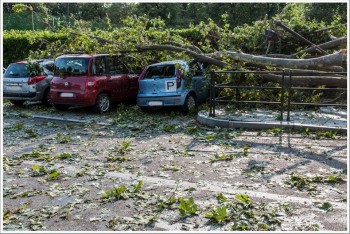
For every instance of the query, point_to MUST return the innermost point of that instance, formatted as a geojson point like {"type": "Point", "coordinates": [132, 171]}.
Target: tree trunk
{"type": "Point", "coordinates": [314, 63]}
{"type": "Point", "coordinates": [337, 43]}
{"type": "Point", "coordinates": [307, 81]}
{"type": "Point", "coordinates": [199, 57]}
{"type": "Point", "coordinates": [320, 63]}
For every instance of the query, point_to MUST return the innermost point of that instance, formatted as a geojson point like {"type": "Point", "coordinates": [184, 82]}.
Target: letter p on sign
{"type": "Point", "coordinates": [170, 86]}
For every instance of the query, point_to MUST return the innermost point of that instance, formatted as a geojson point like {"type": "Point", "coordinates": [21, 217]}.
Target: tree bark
{"type": "Point", "coordinates": [337, 43]}
{"type": "Point", "coordinates": [199, 57]}
{"type": "Point", "coordinates": [191, 47]}
{"type": "Point", "coordinates": [314, 63]}
{"type": "Point", "coordinates": [315, 72]}
{"type": "Point", "coordinates": [307, 81]}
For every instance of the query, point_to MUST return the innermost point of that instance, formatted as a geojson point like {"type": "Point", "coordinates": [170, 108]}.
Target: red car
{"type": "Point", "coordinates": [92, 80]}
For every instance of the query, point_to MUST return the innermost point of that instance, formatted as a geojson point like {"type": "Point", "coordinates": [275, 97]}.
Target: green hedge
{"type": "Point", "coordinates": [19, 44]}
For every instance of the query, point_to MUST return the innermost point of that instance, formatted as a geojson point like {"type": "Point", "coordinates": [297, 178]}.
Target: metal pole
{"type": "Point", "coordinates": [68, 16]}
{"type": "Point", "coordinates": [33, 19]}
{"type": "Point", "coordinates": [303, 39]}
{"type": "Point", "coordinates": [282, 96]}
{"type": "Point", "coordinates": [289, 95]}
{"type": "Point", "coordinates": [211, 92]}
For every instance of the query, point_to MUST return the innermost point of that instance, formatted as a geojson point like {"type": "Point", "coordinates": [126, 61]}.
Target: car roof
{"type": "Point", "coordinates": [76, 56]}
{"type": "Point", "coordinates": [40, 61]}
{"type": "Point", "coordinates": [172, 62]}
{"type": "Point", "coordinates": [82, 55]}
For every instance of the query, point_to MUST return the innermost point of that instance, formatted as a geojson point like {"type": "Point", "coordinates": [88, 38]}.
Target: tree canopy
{"type": "Point", "coordinates": [175, 15]}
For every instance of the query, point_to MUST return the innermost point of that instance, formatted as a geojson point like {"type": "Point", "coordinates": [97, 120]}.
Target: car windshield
{"type": "Point", "coordinates": [164, 71]}
{"type": "Point", "coordinates": [17, 70]}
{"type": "Point", "coordinates": [71, 66]}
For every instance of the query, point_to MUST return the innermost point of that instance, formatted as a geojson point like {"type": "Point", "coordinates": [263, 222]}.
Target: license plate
{"type": "Point", "coordinates": [14, 88]}
{"type": "Point", "coordinates": [67, 94]}
{"type": "Point", "coordinates": [155, 103]}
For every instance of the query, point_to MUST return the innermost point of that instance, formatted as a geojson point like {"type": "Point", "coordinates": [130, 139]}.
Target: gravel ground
{"type": "Point", "coordinates": [162, 171]}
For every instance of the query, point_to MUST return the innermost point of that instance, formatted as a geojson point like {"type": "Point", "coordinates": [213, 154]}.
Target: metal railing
{"type": "Point", "coordinates": [285, 89]}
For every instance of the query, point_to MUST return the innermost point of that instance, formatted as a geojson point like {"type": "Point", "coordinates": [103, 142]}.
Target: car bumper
{"type": "Point", "coordinates": [171, 100]}
{"type": "Point", "coordinates": [79, 99]}
{"type": "Point", "coordinates": [30, 96]}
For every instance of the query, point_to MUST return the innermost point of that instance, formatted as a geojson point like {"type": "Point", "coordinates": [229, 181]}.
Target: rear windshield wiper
{"type": "Point", "coordinates": [15, 74]}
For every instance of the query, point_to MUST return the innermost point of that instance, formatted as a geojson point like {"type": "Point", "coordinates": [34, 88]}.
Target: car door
{"type": "Point", "coordinates": [118, 80]}
{"type": "Point", "coordinates": [131, 80]}
{"type": "Point", "coordinates": [199, 83]}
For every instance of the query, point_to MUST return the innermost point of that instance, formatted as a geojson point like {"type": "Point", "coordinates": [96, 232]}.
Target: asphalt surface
{"type": "Point", "coordinates": [60, 170]}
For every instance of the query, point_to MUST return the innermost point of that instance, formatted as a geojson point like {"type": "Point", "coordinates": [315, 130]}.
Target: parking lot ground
{"type": "Point", "coordinates": [163, 171]}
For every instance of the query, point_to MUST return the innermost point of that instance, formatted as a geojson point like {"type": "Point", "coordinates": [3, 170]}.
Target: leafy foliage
{"type": "Point", "coordinates": [39, 170]}
{"type": "Point", "coordinates": [54, 174]}
{"type": "Point", "coordinates": [19, 45]}
{"type": "Point", "coordinates": [326, 206]}
{"type": "Point", "coordinates": [218, 215]}
{"type": "Point", "coordinates": [221, 198]}
{"type": "Point", "coordinates": [114, 193]}
{"type": "Point", "coordinates": [244, 214]}
{"type": "Point", "coordinates": [209, 35]}
{"type": "Point", "coordinates": [187, 207]}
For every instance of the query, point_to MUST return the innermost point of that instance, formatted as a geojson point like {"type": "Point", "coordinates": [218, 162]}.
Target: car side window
{"type": "Point", "coordinates": [112, 65]}
{"type": "Point", "coordinates": [122, 68]}
{"type": "Point", "coordinates": [115, 66]}
{"type": "Point", "coordinates": [99, 67]}
{"type": "Point", "coordinates": [132, 64]}
{"type": "Point", "coordinates": [49, 66]}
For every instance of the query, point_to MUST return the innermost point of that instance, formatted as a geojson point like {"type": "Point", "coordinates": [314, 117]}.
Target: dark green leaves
{"type": "Point", "coordinates": [326, 206]}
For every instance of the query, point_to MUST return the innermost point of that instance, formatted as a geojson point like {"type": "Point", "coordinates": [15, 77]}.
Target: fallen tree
{"type": "Point", "coordinates": [337, 59]}
{"type": "Point", "coordinates": [337, 43]}
{"type": "Point", "coordinates": [304, 80]}
{"type": "Point", "coordinates": [327, 62]}
{"type": "Point", "coordinates": [333, 62]}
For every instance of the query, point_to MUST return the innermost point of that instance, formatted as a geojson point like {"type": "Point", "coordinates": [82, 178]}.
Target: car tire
{"type": "Point", "coordinates": [47, 98]}
{"type": "Point", "coordinates": [17, 102]}
{"type": "Point", "coordinates": [103, 103]}
{"type": "Point", "coordinates": [60, 107]}
{"type": "Point", "coordinates": [190, 104]}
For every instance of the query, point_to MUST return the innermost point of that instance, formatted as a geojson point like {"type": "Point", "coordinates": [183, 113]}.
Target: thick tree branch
{"type": "Point", "coordinates": [191, 47]}
{"type": "Point", "coordinates": [314, 63]}
{"type": "Point", "coordinates": [329, 81]}
{"type": "Point", "coordinates": [337, 43]}
{"type": "Point", "coordinates": [199, 57]}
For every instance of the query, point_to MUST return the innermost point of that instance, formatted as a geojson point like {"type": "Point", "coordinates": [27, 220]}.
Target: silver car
{"type": "Point", "coordinates": [19, 86]}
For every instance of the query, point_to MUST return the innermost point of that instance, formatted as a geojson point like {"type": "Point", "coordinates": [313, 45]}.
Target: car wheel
{"type": "Point", "coordinates": [17, 102]}
{"type": "Point", "coordinates": [103, 103]}
{"type": "Point", "coordinates": [60, 107]}
{"type": "Point", "coordinates": [47, 98]}
{"type": "Point", "coordinates": [190, 104]}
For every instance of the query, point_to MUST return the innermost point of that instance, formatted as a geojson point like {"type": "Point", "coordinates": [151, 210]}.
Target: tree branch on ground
{"type": "Point", "coordinates": [338, 59]}
{"type": "Point", "coordinates": [329, 81]}
{"type": "Point", "coordinates": [337, 43]}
